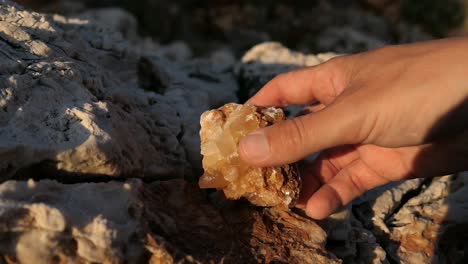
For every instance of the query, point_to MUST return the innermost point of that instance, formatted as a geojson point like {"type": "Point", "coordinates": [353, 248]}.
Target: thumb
{"type": "Point", "coordinates": [292, 140]}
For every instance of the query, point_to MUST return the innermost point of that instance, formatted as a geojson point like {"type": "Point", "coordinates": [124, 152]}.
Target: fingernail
{"type": "Point", "coordinates": [255, 146]}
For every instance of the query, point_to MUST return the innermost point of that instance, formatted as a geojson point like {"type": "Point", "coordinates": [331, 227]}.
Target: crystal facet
{"type": "Point", "coordinates": [221, 130]}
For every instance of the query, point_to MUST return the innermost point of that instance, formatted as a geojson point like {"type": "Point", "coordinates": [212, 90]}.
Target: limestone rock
{"type": "Point", "coordinates": [44, 222]}
{"type": "Point", "coordinates": [432, 225]}
{"type": "Point", "coordinates": [350, 240]}
{"type": "Point", "coordinates": [133, 222]}
{"type": "Point", "coordinates": [266, 60]}
{"type": "Point", "coordinates": [221, 131]}
{"type": "Point", "coordinates": [378, 205]}
{"type": "Point", "coordinates": [359, 232]}
{"type": "Point", "coordinates": [417, 221]}
{"type": "Point", "coordinates": [237, 234]}
{"type": "Point", "coordinates": [72, 100]}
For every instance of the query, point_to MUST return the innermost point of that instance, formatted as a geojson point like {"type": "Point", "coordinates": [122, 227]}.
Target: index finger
{"type": "Point", "coordinates": [322, 83]}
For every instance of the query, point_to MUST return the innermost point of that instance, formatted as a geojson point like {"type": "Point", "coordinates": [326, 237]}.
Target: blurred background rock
{"type": "Point", "coordinates": [343, 26]}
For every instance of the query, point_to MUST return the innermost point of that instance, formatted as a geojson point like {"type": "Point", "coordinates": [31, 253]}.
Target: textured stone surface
{"type": "Point", "coordinates": [266, 60]}
{"type": "Point", "coordinates": [418, 221]}
{"type": "Point", "coordinates": [378, 205]}
{"type": "Point", "coordinates": [221, 130]}
{"type": "Point", "coordinates": [45, 222]}
{"type": "Point", "coordinates": [432, 225]}
{"type": "Point", "coordinates": [132, 222]}
{"type": "Point", "coordinates": [349, 240]}
{"type": "Point", "coordinates": [79, 99]}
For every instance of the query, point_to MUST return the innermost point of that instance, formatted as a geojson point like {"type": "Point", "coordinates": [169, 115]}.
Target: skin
{"type": "Point", "coordinates": [385, 115]}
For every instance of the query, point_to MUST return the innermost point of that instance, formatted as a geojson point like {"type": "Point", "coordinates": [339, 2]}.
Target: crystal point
{"type": "Point", "coordinates": [221, 130]}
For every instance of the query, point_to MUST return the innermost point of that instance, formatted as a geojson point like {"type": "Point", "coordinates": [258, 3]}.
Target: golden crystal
{"type": "Point", "coordinates": [221, 131]}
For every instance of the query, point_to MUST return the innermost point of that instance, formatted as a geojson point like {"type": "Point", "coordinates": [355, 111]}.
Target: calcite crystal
{"type": "Point", "coordinates": [221, 130]}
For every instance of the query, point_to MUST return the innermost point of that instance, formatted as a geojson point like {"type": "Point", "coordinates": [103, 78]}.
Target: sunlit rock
{"type": "Point", "coordinates": [221, 130]}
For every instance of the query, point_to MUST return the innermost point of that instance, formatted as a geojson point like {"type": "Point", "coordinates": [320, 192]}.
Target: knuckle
{"type": "Point", "coordinates": [340, 74]}
{"type": "Point", "coordinates": [336, 198]}
{"type": "Point", "coordinates": [294, 134]}
{"type": "Point", "coordinates": [276, 85]}
{"type": "Point", "coordinates": [356, 183]}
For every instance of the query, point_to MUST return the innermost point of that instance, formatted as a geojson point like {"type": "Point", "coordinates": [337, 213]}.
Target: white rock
{"type": "Point", "coordinates": [70, 95]}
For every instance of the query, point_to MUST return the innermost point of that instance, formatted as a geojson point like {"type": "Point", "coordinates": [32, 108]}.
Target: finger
{"type": "Point", "coordinates": [294, 139]}
{"type": "Point", "coordinates": [349, 183]}
{"type": "Point", "coordinates": [356, 177]}
{"type": "Point", "coordinates": [321, 170]}
{"type": "Point", "coordinates": [322, 82]}
{"type": "Point", "coordinates": [313, 177]}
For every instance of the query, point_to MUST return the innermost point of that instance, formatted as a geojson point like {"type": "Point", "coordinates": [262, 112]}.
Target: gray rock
{"type": "Point", "coordinates": [113, 19]}
{"type": "Point", "coordinates": [72, 101]}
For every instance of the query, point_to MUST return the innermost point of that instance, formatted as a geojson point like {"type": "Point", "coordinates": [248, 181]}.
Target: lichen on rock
{"type": "Point", "coordinates": [221, 130]}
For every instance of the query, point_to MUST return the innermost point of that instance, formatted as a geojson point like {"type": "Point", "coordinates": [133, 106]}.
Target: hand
{"type": "Point", "coordinates": [385, 115]}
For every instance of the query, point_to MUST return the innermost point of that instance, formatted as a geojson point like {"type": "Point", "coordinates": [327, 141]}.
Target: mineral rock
{"type": "Point", "coordinates": [220, 134]}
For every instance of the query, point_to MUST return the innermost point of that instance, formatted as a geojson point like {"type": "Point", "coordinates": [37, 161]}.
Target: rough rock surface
{"type": "Point", "coordinates": [432, 226]}
{"type": "Point", "coordinates": [350, 241]}
{"type": "Point", "coordinates": [264, 61]}
{"type": "Point", "coordinates": [133, 222]}
{"type": "Point", "coordinates": [79, 99]}
{"type": "Point", "coordinates": [384, 203]}
{"type": "Point", "coordinates": [221, 130]}
{"type": "Point", "coordinates": [44, 222]}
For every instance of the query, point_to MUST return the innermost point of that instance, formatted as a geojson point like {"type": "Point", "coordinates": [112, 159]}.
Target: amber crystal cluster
{"type": "Point", "coordinates": [221, 131]}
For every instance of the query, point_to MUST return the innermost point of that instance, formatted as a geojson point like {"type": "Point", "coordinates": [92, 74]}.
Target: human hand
{"type": "Point", "coordinates": [385, 115]}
